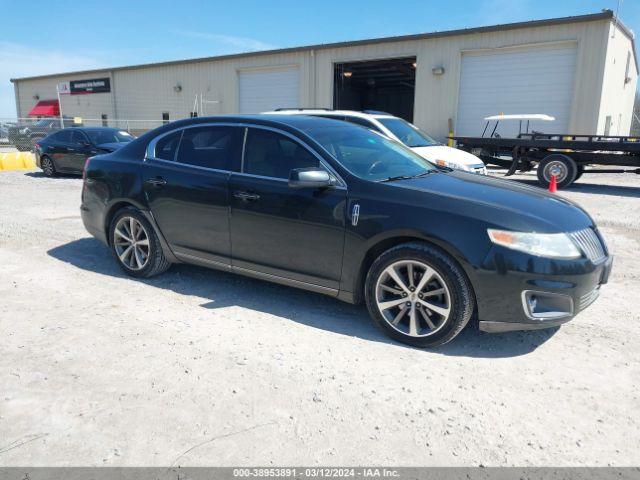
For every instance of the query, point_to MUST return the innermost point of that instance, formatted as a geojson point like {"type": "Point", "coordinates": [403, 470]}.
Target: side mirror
{"type": "Point", "coordinates": [310, 178]}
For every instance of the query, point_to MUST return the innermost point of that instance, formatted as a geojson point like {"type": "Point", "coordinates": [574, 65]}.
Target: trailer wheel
{"type": "Point", "coordinates": [562, 166]}
{"type": "Point", "coordinates": [580, 172]}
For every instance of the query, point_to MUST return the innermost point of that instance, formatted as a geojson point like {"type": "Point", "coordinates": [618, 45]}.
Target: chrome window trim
{"type": "Point", "coordinates": [180, 164]}
{"type": "Point", "coordinates": [151, 149]}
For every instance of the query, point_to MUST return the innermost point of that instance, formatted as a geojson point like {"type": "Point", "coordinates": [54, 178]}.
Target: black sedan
{"type": "Point", "coordinates": [338, 209]}
{"type": "Point", "coordinates": [67, 150]}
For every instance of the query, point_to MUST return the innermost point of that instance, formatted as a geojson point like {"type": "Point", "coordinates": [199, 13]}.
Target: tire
{"type": "Point", "coordinates": [431, 328]}
{"type": "Point", "coordinates": [48, 166]}
{"type": "Point", "coordinates": [143, 260]}
{"type": "Point", "coordinates": [562, 166]}
{"type": "Point", "coordinates": [580, 172]}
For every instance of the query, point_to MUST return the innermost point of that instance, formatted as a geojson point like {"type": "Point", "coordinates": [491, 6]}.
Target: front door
{"type": "Point", "coordinates": [79, 150]}
{"type": "Point", "coordinates": [186, 187]}
{"type": "Point", "coordinates": [292, 233]}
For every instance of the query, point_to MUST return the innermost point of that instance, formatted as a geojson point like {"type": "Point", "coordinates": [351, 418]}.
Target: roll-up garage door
{"type": "Point", "coordinates": [264, 90]}
{"type": "Point", "coordinates": [515, 81]}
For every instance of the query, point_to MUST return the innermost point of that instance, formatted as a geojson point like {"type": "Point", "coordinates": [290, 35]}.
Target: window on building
{"type": "Point", "coordinates": [105, 121]}
{"type": "Point", "coordinates": [271, 154]}
{"type": "Point", "coordinates": [211, 147]}
{"type": "Point", "coordinates": [165, 118]}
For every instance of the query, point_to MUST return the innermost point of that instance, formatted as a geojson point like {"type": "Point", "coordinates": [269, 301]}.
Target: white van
{"type": "Point", "coordinates": [402, 131]}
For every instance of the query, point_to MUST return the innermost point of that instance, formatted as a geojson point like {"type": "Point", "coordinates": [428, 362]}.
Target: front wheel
{"type": "Point", "coordinates": [135, 244]}
{"type": "Point", "coordinates": [418, 295]}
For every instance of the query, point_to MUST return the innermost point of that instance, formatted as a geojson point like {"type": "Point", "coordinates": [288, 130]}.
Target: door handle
{"type": "Point", "coordinates": [246, 196]}
{"type": "Point", "coordinates": [157, 181]}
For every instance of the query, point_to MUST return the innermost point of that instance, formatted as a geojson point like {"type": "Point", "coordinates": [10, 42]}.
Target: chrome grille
{"type": "Point", "coordinates": [588, 298]}
{"type": "Point", "coordinates": [590, 244]}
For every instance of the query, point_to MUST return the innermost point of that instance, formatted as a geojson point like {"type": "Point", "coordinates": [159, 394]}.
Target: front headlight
{"type": "Point", "coordinates": [554, 245]}
{"type": "Point", "coordinates": [455, 166]}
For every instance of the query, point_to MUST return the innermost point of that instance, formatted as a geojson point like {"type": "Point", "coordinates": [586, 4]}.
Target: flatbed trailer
{"type": "Point", "coordinates": [563, 155]}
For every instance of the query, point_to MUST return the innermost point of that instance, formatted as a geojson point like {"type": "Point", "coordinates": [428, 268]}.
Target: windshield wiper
{"type": "Point", "coordinates": [407, 177]}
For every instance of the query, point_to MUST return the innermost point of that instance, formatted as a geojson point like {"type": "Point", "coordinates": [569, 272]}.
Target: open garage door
{"type": "Point", "coordinates": [385, 85]}
{"type": "Point", "coordinates": [264, 90]}
{"type": "Point", "coordinates": [521, 80]}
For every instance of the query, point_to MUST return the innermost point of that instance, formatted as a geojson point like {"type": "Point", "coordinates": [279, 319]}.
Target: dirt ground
{"type": "Point", "coordinates": [199, 367]}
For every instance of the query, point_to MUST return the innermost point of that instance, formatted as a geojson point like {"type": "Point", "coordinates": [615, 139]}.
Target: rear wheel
{"type": "Point", "coordinates": [562, 166]}
{"type": "Point", "coordinates": [135, 244]}
{"type": "Point", "coordinates": [580, 172]}
{"type": "Point", "coordinates": [48, 167]}
{"type": "Point", "coordinates": [418, 295]}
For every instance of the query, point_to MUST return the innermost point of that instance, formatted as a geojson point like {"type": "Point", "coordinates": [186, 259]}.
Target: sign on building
{"type": "Point", "coordinates": [96, 85]}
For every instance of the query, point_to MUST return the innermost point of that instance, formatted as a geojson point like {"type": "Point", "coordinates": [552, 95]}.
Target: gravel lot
{"type": "Point", "coordinates": [199, 367]}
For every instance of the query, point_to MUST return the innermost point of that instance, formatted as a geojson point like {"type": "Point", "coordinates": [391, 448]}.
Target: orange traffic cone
{"type": "Point", "coordinates": [553, 184]}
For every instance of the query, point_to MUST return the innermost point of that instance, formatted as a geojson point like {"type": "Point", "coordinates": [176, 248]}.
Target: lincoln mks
{"type": "Point", "coordinates": [341, 210]}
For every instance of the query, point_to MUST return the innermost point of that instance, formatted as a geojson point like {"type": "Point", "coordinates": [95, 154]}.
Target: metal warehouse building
{"type": "Point", "coordinates": [582, 70]}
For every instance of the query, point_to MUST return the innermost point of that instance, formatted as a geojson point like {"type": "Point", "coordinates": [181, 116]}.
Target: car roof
{"type": "Point", "coordinates": [311, 111]}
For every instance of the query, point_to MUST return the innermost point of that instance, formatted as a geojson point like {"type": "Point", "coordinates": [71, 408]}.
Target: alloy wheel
{"type": "Point", "coordinates": [131, 243]}
{"type": "Point", "coordinates": [413, 298]}
{"type": "Point", "coordinates": [47, 166]}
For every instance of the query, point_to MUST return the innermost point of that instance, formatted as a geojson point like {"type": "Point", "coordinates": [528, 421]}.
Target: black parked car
{"type": "Point", "coordinates": [67, 150]}
{"type": "Point", "coordinates": [338, 209]}
{"type": "Point", "coordinates": [25, 136]}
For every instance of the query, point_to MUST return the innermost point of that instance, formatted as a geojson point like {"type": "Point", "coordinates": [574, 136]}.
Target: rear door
{"type": "Point", "coordinates": [280, 231]}
{"type": "Point", "coordinates": [186, 186]}
{"type": "Point", "coordinates": [59, 150]}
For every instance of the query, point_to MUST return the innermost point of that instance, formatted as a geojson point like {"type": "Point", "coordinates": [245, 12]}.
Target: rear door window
{"type": "Point", "coordinates": [167, 146]}
{"type": "Point", "coordinates": [78, 137]}
{"type": "Point", "coordinates": [210, 147]}
{"type": "Point", "coordinates": [63, 136]}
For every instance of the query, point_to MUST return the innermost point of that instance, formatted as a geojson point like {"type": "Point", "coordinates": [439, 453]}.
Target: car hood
{"type": "Point", "coordinates": [502, 203]}
{"type": "Point", "coordinates": [112, 147]}
{"type": "Point", "coordinates": [442, 152]}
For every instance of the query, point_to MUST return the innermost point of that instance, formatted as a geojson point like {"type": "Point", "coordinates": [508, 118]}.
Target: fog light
{"type": "Point", "coordinates": [543, 306]}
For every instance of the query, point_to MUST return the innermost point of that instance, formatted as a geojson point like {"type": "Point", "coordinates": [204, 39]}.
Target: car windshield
{"type": "Point", "coordinates": [408, 134]}
{"type": "Point", "coordinates": [99, 137]}
{"type": "Point", "coordinates": [370, 155]}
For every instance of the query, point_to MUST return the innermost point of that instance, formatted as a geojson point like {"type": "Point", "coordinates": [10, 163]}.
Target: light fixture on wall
{"type": "Point", "coordinates": [437, 70]}
{"type": "Point", "coordinates": [414, 64]}
{"type": "Point", "coordinates": [347, 74]}
{"type": "Point", "coordinates": [177, 88]}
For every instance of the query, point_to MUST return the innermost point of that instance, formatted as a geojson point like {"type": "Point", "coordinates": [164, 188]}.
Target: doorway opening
{"type": "Point", "coordinates": [383, 85]}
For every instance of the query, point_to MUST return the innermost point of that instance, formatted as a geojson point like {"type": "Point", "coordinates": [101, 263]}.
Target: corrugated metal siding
{"type": "Point", "coordinates": [437, 96]}
{"type": "Point", "coordinates": [149, 91]}
{"type": "Point", "coordinates": [617, 97]}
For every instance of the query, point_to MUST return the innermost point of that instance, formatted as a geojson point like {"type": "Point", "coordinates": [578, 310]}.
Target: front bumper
{"type": "Point", "coordinates": [511, 283]}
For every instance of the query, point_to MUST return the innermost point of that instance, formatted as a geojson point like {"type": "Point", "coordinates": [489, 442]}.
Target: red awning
{"type": "Point", "coordinates": [45, 108]}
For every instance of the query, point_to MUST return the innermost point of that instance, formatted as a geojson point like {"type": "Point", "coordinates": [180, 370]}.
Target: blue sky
{"type": "Point", "coordinates": [49, 37]}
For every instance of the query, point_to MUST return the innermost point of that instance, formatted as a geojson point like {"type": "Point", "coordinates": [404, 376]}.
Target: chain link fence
{"type": "Point", "coordinates": [22, 134]}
